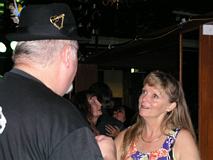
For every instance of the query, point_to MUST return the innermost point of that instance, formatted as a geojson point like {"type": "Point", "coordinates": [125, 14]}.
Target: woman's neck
{"type": "Point", "coordinates": [93, 120]}
{"type": "Point", "coordinates": [151, 132]}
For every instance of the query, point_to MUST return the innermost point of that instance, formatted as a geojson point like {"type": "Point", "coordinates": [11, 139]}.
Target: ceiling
{"type": "Point", "coordinates": [135, 32]}
{"type": "Point", "coordinates": [133, 18]}
{"type": "Point", "coordinates": [143, 33]}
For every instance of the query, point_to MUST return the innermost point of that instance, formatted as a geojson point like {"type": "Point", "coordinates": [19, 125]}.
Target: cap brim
{"type": "Point", "coordinates": [31, 37]}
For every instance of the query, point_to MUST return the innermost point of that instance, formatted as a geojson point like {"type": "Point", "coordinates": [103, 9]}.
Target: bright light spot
{"type": "Point", "coordinates": [13, 45]}
{"type": "Point", "coordinates": [132, 70]}
{"type": "Point", "coordinates": [3, 48]}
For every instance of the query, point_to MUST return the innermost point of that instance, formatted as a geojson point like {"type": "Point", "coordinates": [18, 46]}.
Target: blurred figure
{"type": "Point", "coordinates": [88, 104]}
{"type": "Point", "coordinates": [118, 113]}
{"type": "Point", "coordinates": [163, 129]}
{"type": "Point", "coordinates": [104, 94]}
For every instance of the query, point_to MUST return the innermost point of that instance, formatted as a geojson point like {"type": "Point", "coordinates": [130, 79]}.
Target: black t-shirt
{"type": "Point", "coordinates": [40, 124]}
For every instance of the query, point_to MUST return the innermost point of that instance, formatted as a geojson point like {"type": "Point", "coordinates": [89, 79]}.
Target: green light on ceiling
{"type": "Point", "coordinates": [1, 8]}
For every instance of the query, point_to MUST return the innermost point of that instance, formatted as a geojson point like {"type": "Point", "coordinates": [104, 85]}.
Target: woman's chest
{"type": "Point", "coordinates": [144, 147]}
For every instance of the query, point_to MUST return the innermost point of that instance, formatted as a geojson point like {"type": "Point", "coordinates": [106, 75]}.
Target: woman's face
{"type": "Point", "coordinates": [95, 106]}
{"type": "Point", "coordinates": [154, 102]}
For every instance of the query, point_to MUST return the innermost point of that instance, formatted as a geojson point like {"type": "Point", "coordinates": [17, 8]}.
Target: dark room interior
{"type": "Point", "coordinates": [142, 34]}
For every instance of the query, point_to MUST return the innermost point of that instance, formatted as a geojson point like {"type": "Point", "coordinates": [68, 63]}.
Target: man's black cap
{"type": "Point", "coordinates": [46, 21]}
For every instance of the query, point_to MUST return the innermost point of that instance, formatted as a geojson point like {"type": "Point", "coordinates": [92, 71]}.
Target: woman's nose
{"type": "Point", "coordinates": [144, 98]}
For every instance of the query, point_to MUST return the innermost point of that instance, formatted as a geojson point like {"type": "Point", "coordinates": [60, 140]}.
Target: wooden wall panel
{"type": "Point", "coordinates": [86, 75]}
{"type": "Point", "coordinates": [206, 96]}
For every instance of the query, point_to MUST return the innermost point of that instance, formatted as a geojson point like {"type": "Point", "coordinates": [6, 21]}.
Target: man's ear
{"type": "Point", "coordinates": [66, 55]}
{"type": "Point", "coordinates": [171, 106]}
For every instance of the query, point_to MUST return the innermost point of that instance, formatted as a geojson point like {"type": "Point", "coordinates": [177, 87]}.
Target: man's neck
{"type": "Point", "coordinates": [43, 74]}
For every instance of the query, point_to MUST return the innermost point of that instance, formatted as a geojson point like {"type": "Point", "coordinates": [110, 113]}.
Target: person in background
{"type": "Point", "coordinates": [119, 113]}
{"type": "Point", "coordinates": [38, 123]}
{"type": "Point", "coordinates": [90, 107]}
{"type": "Point", "coordinates": [104, 94]}
{"type": "Point", "coordinates": [163, 129]}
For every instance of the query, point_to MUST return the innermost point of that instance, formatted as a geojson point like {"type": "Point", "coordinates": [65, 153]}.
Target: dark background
{"type": "Point", "coordinates": [134, 33]}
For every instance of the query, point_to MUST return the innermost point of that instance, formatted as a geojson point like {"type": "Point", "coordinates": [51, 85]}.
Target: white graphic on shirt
{"type": "Point", "coordinates": [3, 121]}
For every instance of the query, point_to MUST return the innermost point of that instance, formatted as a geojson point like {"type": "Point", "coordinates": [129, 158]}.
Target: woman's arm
{"type": "Point", "coordinates": [185, 147]}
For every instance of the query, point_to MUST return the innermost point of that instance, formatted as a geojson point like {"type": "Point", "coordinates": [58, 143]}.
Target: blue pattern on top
{"type": "Point", "coordinates": [161, 154]}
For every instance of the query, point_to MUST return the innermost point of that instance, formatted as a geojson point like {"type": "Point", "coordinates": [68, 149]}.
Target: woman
{"type": "Point", "coordinates": [163, 130]}
{"type": "Point", "coordinates": [90, 107]}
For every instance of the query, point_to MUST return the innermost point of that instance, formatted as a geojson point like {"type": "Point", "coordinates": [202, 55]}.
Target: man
{"type": "Point", "coordinates": [38, 123]}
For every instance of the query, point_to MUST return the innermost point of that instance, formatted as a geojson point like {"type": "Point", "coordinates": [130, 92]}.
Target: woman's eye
{"type": "Point", "coordinates": [155, 96]}
{"type": "Point", "coordinates": [143, 92]}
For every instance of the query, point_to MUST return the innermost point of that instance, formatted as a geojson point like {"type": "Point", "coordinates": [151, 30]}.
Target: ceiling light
{"type": "Point", "coordinates": [3, 48]}
{"type": "Point", "coordinates": [13, 45]}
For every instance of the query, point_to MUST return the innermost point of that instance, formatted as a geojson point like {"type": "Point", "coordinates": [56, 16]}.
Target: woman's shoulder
{"type": "Point", "coordinates": [185, 138]}
{"type": "Point", "coordinates": [119, 142]}
{"type": "Point", "coordinates": [120, 136]}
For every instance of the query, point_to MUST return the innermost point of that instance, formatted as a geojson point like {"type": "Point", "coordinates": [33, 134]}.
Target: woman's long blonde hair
{"type": "Point", "coordinates": [177, 118]}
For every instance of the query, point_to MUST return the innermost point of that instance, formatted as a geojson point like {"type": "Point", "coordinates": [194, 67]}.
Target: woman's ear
{"type": "Point", "coordinates": [171, 106]}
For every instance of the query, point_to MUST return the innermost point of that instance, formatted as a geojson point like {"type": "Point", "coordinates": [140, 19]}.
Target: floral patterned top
{"type": "Point", "coordinates": [164, 153]}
